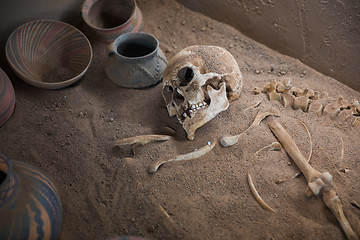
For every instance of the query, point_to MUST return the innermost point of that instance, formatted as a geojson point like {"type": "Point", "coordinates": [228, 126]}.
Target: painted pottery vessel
{"type": "Point", "coordinates": [7, 98]}
{"type": "Point", "coordinates": [105, 20]}
{"type": "Point", "coordinates": [135, 61]}
{"type": "Point", "coordinates": [30, 206]}
{"type": "Point", "coordinates": [48, 54]}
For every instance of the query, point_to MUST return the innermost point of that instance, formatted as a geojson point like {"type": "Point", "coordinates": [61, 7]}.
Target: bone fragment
{"type": "Point", "coordinates": [280, 88]}
{"type": "Point", "coordinates": [332, 109]}
{"type": "Point", "coordinates": [316, 95]}
{"type": "Point", "coordinates": [153, 167]}
{"type": "Point", "coordinates": [142, 139]}
{"type": "Point", "coordinates": [287, 99]}
{"type": "Point", "coordinates": [228, 141]}
{"type": "Point", "coordinates": [275, 146]}
{"type": "Point", "coordinates": [279, 181]}
{"type": "Point", "coordinates": [253, 106]}
{"type": "Point", "coordinates": [274, 96]}
{"type": "Point", "coordinates": [297, 92]}
{"type": "Point", "coordinates": [333, 202]}
{"type": "Point", "coordinates": [256, 91]}
{"type": "Point", "coordinates": [316, 180]}
{"type": "Point", "coordinates": [162, 209]}
{"type": "Point", "coordinates": [316, 107]}
{"type": "Point", "coordinates": [256, 194]}
{"type": "Point", "coordinates": [301, 103]}
{"type": "Point", "coordinates": [311, 145]}
{"type": "Point", "coordinates": [355, 204]}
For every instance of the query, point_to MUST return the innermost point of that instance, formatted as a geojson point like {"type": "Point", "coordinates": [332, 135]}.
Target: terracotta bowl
{"type": "Point", "coordinates": [105, 20]}
{"type": "Point", "coordinates": [7, 98]}
{"type": "Point", "coordinates": [48, 54]}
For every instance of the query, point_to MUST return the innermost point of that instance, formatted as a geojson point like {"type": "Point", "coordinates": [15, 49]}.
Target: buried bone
{"type": "Point", "coordinates": [142, 140]}
{"type": "Point", "coordinates": [262, 203]}
{"type": "Point", "coordinates": [153, 167]}
{"type": "Point", "coordinates": [198, 84]}
{"type": "Point", "coordinates": [333, 202]}
{"type": "Point", "coordinates": [228, 141]}
{"type": "Point", "coordinates": [316, 180]}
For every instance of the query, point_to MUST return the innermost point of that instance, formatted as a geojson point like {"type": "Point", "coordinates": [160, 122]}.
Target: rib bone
{"type": "Point", "coordinates": [153, 167]}
{"type": "Point", "coordinates": [316, 180]}
{"type": "Point", "coordinates": [332, 201]}
{"type": "Point", "coordinates": [228, 141]}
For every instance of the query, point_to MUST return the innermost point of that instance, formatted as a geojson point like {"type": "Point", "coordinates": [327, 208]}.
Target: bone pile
{"type": "Point", "coordinates": [312, 101]}
{"type": "Point", "coordinates": [318, 182]}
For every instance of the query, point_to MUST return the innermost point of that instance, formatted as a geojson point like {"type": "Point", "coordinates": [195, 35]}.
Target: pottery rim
{"type": "Point", "coordinates": [46, 85]}
{"type": "Point", "coordinates": [106, 29]}
{"type": "Point", "coordinates": [130, 36]}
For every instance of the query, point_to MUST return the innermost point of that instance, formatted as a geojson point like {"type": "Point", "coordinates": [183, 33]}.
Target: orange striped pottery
{"type": "Point", "coordinates": [7, 98]}
{"type": "Point", "coordinates": [48, 54]}
{"type": "Point", "coordinates": [30, 206]}
{"type": "Point", "coordinates": [105, 20]}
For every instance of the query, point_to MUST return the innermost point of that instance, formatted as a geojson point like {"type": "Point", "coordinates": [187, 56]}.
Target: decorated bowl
{"type": "Point", "coordinates": [7, 98]}
{"type": "Point", "coordinates": [105, 20]}
{"type": "Point", "coordinates": [48, 54]}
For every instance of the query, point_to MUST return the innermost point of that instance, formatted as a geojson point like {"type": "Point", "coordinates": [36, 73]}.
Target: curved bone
{"type": "Point", "coordinates": [316, 180]}
{"type": "Point", "coordinates": [256, 194]}
{"type": "Point", "coordinates": [153, 167]}
{"type": "Point", "coordinates": [142, 139]}
{"type": "Point", "coordinates": [231, 140]}
{"type": "Point", "coordinates": [332, 201]}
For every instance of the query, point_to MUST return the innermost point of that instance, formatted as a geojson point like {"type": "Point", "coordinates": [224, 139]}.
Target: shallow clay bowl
{"type": "Point", "coordinates": [48, 54]}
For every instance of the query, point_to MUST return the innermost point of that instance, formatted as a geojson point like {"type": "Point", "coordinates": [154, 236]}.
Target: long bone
{"type": "Point", "coordinates": [154, 166]}
{"type": "Point", "coordinates": [142, 139]}
{"type": "Point", "coordinates": [333, 202]}
{"type": "Point", "coordinates": [316, 180]}
{"type": "Point", "coordinates": [228, 141]}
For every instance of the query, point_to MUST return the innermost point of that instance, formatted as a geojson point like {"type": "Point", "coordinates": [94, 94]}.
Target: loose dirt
{"type": "Point", "coordinates": [106, 191]}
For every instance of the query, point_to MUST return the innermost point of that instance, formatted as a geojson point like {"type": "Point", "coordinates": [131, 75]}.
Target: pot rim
{"type": "Point", "coordinates": [133, 35]}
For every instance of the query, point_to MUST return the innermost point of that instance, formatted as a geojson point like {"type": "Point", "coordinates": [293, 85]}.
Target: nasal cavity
{"type": "Point", "coordinates": [185, 75]}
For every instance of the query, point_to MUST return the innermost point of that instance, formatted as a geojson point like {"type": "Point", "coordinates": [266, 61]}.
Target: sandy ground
{"type": "Point", "coordinates": [106, 191]}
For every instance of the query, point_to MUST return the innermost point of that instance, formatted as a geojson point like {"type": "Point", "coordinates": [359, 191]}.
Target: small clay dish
{"type": "Point", "coordinates": [105, 20]}
{"type": "Point", "coordinates": [7, 98]}
{"type": "Point", "coordinates": [48, 54]}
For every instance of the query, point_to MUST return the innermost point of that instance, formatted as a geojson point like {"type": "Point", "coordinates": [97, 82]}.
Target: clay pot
{"type": "Point", "coordinates": [7, 98]}
{"type": "Point", "coordinates": [30, 206]}
{"type": "Point", "coordinates": [48, 54]}
{"type": "Point", "coordinates": [135, 61]}
{"type": "Point", "coordinates": [105, 20]}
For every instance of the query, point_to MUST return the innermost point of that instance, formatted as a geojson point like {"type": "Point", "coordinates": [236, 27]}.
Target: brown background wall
{"type": "Point", "coordinates": [324, 34]}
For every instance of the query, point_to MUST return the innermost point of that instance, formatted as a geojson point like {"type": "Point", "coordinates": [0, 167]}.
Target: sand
{"type": "Point", "coordinates": [106, 191]}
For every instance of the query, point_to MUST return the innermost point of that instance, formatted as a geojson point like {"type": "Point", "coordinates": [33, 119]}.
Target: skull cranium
{"type": "Point", "coordinates": [198, 84]}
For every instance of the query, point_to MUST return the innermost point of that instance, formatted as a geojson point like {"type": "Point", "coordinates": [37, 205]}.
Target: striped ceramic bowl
{"type": "Point", "coordinates": [48, 54]}
{"type": "Point", "coordinates": [7, 98]}
{"type": "Point", "coordinates": [105, 20]}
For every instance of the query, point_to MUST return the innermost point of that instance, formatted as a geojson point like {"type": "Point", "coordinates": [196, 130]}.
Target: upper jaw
{"type": "Point", "coordinates": [218, 103]}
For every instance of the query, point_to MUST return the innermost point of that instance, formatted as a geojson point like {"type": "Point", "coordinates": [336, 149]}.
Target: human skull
{"type": "Point", "coordinates": [198, 84]}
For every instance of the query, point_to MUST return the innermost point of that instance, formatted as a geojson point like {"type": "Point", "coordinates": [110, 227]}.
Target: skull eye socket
{"type": "Point", "coordinates": [185, 76]}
